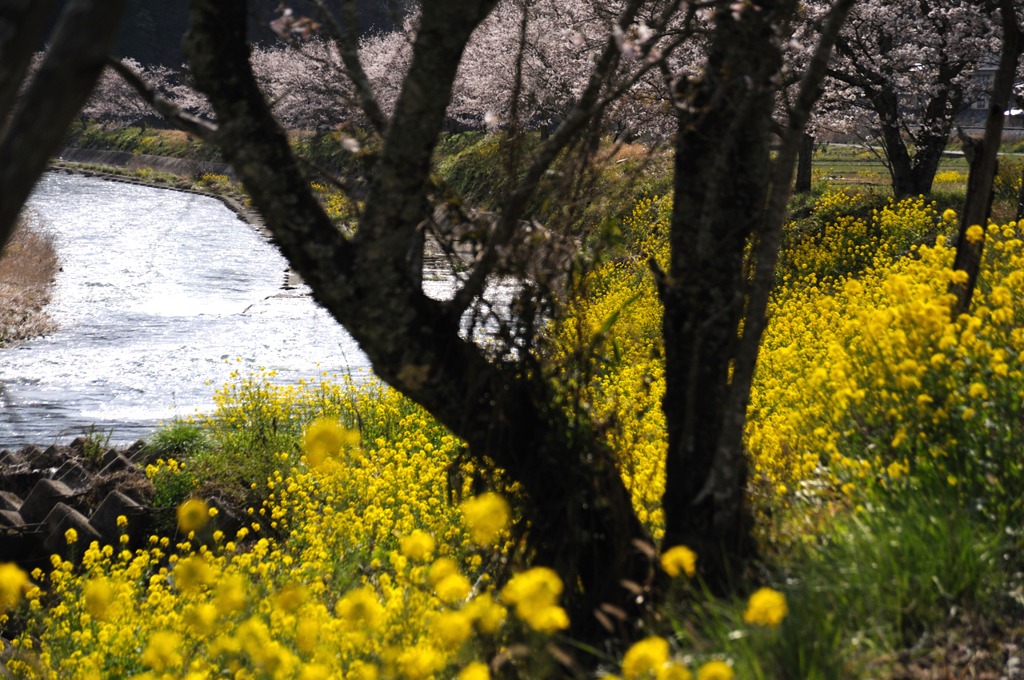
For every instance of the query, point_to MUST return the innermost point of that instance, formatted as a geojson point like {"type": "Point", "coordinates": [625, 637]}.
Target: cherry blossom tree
{"type": "Point", "coordinates": [115, 103]}
{"type": "Point", "coordinates": [386, 58]}
{"type": "Point", "coordinates": [902, 71]}
{"type": "Point", "coordinates": [305, 84]}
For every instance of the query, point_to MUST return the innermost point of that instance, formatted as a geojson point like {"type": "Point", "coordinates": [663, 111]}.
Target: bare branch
{"type": "Point", "coordinates": [582, 113]}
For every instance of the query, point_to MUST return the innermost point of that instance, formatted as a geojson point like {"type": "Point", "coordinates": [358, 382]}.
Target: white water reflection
{"type": "Point", "coordinates": [160, 294]}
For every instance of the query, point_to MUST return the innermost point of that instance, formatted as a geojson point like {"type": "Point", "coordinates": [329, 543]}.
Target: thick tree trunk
{"type": "Point", "coordinates": [912, 175]}
{"type": "Point", "coordinates": [722, 176]}
{"type": "Point", "coordinates": [21, 30]}
{"type": "Point", "coordinates": [581, 520]}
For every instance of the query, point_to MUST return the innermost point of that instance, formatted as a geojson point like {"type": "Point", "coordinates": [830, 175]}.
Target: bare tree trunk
{"type": "Point", "coordinates": [21, 29]}
{"type": "Point", "coordinates": [728, 195]}
{"type": "Point", "coordinates": [804, 164]}
{"type": "Point", "coordinates": [722, 167]}
{"type": "Point", "coordinates": [984, 162]}
{"type": "Point", "coordinates": [911, 175]}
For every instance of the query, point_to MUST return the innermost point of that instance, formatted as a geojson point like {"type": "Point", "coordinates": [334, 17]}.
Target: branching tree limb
{"type": "Point", "coordinates": [21, 29]}
{"type": "Point", "coordinates": [581, 519]}
{"type": "Point", "coordinates": [77, 54]}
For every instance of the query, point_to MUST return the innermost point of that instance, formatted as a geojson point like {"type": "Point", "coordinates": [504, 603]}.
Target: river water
{"type": "Point", "coordinates": [161, 295]}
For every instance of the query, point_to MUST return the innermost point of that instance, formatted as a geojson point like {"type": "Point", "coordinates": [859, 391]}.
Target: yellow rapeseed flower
{"type": "Point", "coordinates": [441, 568]}
{"type": "Point", "coordinates": [193, 515]}
{"type": "Point", "coordinates": [419, 545]}
{"type": "Point", "coordinates": [644, 658]}
{"type": "Point", "coordinates": [71, 536]}
{"type": "Point", "coordinates": [977, 390]}
{"type": "Point", "coordinates": [715, 670]}
{"type": "Point", "coordinates": [325, 438]}
{"type": "Point", "coordinates": [14, 583]}
{"type": "Point", "coordinates": [420, 662]}
{"type": "Point", "coordinates": [488, 615]}
{"type": "Point", "coordinates": [192, 572]}
{"type": "Point", "coordinates": [673, 671]}
{"type": "Point", "coordinates": [548, 619]}
{"type": "Point", "coordinates": [202, 618]}
{"type": "Point", "coordinates": [486, 516]}
{"type": "Point", "coordinates": [535, 595]}
{"type": "Point", "coordinates": [949, 215]}
{"type": "Point", "coordinates": [361, 609]}
{"type": "Point", "coordinates": [475, 671]}
{"type": "Point", "coordinates": [162, 651]}
{"type": "Point", "coordinates": [975, 233]}
{"type": "Point", "coordinates": [766, 607]}
{"type": "Point", "coordinates": [452, 628]}
{"type": "Point", "coordinates": [307, 634]}
{"type": "Point", "coordinates": [453, 588]}
{"type": "Point", "coordinates": [230, 594]}
{"type": "Point", "coordinates": [679, 560]}
{"type": "Point", "coordinates": [98, 594]}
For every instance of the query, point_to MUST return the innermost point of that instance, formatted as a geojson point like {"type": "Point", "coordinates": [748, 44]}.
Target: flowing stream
{"type": "Point", "coordinates": [161, 295]}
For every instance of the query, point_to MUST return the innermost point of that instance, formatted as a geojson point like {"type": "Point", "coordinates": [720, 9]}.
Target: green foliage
{"type": "Point", "coordinates": [909, 564]}
{"type": "Point", "coordinates": [584, 199]}
{"type": "Point", "coordinates": [173, 482]}
{"type": "Point", "coordinates": [151, 141]}
{"type": "Point", "coordinates": [180, 439]}
{"type": "Point", "coordinates": [328, 150]}
{"type": "Point", "coordinates": [95, 444]}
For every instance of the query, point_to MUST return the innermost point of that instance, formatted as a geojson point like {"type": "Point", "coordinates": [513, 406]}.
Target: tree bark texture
{"type": "Point", "coordinates": [984, 163]}
{"type": "Point", "coordinates": [804, 166]}
{"type": "Point", "coordinates": [21, 29]}
{"type": "Point", "coordinates": [78, 50]}
{"type": "Point", "coordinates": [722, 178]}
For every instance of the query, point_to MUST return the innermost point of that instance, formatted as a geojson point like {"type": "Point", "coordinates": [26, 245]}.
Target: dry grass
{"type": "Point", "coordinates": [27, 268]}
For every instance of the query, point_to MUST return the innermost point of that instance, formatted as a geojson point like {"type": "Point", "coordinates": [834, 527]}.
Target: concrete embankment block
{"type": "Point", "coordinates": [9, 519]}
{"type": "Point", "coordinates": [61, 518]}
{"type": "Point", "coordinates": [117, 504]}
{"type": "Point", "coordinates": [10, 501]}
{"type": "Point", "coordinates": [9, 458]}
{"type": "Point", "coordinates": [73, 474]}
{"type": "Point", "coordinates": [44, 496]}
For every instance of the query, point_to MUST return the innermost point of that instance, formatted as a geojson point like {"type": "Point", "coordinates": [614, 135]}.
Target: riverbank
{"type": "Point", "coordinates": [28, 266]}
